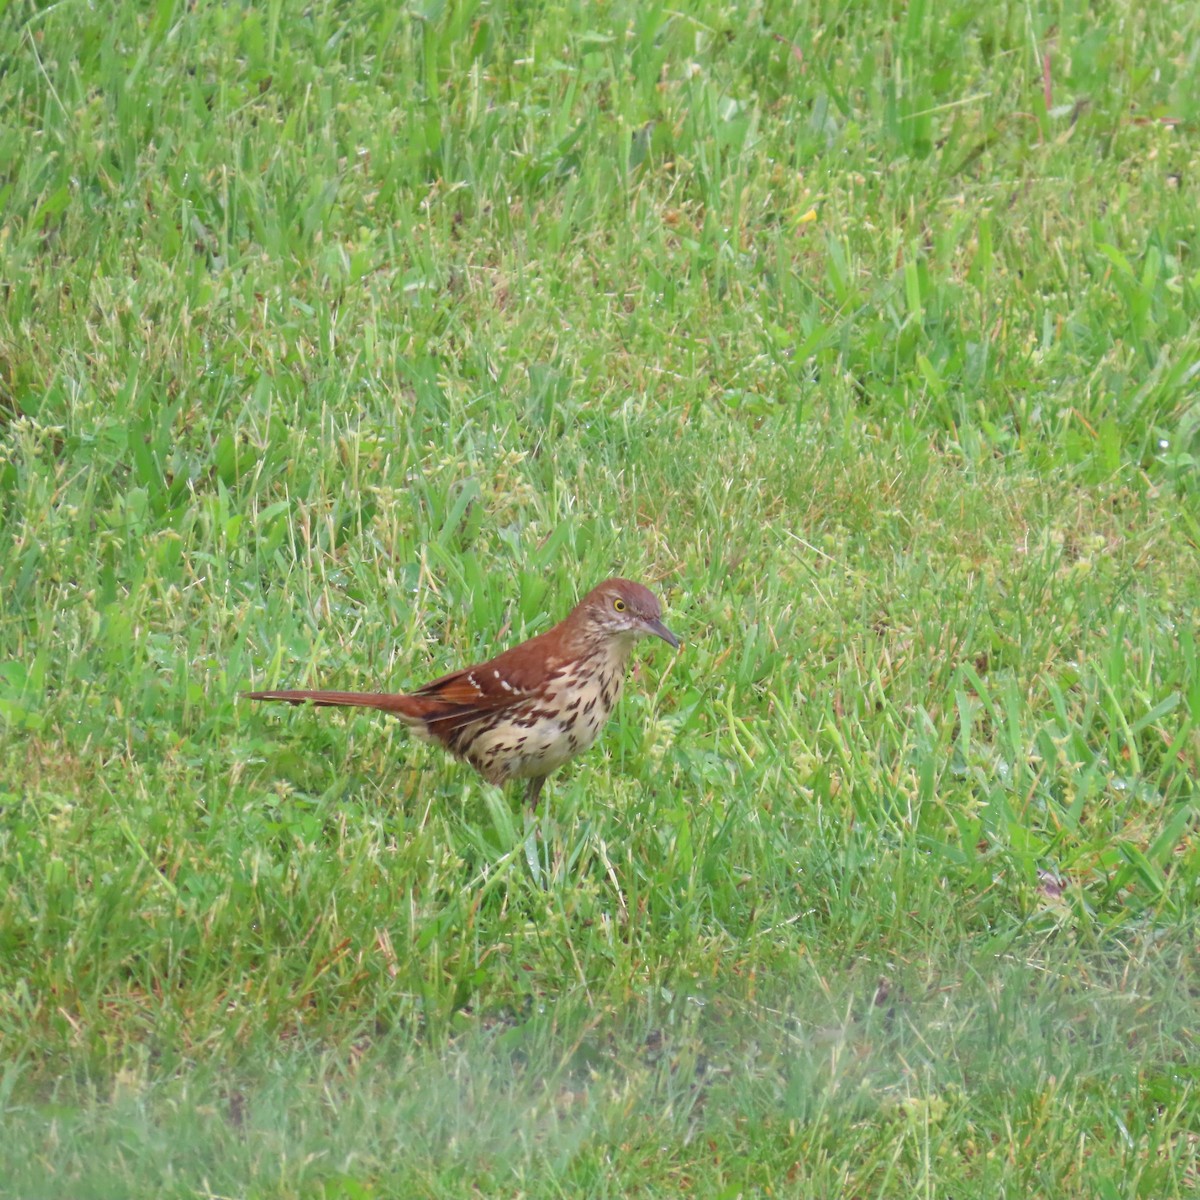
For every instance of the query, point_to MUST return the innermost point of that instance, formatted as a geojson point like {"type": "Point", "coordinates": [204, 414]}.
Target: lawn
{"type": "Point", "coordinates": [345, 343]}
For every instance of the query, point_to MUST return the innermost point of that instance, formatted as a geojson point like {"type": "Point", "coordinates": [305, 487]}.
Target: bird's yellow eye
{"type": "Point", "coordinates": [619, 605]}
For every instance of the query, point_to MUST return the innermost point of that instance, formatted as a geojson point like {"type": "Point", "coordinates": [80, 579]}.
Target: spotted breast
{"type": "Point", "coordinates": [563, 719]}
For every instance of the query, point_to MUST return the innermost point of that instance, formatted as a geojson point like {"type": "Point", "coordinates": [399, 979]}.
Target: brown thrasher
{"type": "Point", "coordinates": [526, 711]}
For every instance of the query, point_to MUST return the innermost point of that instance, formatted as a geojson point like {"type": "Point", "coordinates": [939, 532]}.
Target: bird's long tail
{"type": "Point", "coordinates": [402, 706]}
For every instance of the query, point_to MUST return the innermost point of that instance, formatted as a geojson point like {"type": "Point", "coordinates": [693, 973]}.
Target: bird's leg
{"type": "Point", "coordinates": [533, 789]}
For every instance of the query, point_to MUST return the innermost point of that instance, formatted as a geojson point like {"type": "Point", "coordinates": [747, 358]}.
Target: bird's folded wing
{"type": "Point", "coordinates": [507, 681]}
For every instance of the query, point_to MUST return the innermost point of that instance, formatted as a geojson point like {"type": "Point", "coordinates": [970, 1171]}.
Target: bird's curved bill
{"type": "Point", "coordinates": [657, 628]}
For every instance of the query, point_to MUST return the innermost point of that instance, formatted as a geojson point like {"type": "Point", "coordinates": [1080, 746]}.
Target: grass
{"type": "Point", "coordinates": [348, 342]}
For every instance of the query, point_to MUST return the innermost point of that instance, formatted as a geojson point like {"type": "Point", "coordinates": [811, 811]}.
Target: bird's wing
{"type": "Point", "coordinates": [506, 681]}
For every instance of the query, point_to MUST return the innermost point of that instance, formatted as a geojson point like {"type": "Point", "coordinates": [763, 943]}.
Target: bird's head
{"type": "Point", "coordinates": [620, 607]}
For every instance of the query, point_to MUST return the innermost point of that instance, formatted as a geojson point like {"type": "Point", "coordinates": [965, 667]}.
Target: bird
{"type": "Point", "coordinates": [526, 712]}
